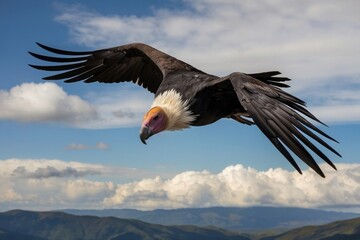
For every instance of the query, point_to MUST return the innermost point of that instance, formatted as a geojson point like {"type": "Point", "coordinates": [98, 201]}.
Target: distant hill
{"type": "Point", "coordinates": [6, 235]}
{"type": "Point", "coordinates": [340, 230]}
{"type": "Point", "coordinates": [234, 219]}
{"type": "Point", "coordinates": [26, 225]}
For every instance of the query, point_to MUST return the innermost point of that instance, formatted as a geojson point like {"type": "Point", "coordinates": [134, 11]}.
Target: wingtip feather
{"type": "Point", "coordinates": [60, 51]}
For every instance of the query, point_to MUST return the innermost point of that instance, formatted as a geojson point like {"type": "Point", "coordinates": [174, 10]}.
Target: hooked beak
{"type": "Point", "coordinates": [145, 133]}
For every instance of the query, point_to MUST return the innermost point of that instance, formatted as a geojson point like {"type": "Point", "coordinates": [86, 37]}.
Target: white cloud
{"type": "Point", "coordinates": [305, 37]}
{"type": "Point", "coordinates": [337, 103]}
{"type": "Point", "coordinates": [338, 113]}
{"type": "Point", "coordinates": [53, 168]}
{"type": "Point", "coordinates": [240, 186]}
{"type": "Point", "coordinates": [314, 43]}
{"type": "Point", "coordinates": [77, 146]}
{"type": "Point", "coordinates": [44, 102]}
{"type": "Point", "coordinates": [28, 183]}
{"type": "Point", "coordinates": [45, 168]}
{"type": "Point", "coordinates": [54, 184]}
{"type": "Point", "coordinates": [48, 102]}
{"type": "Point", "coordinates": [50, 172]}
{"type": "Point", "coordinates": [36, 185]}
{"type": "Point", "coordinates": [50, 193]}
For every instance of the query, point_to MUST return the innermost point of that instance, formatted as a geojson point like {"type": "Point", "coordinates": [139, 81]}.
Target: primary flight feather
{"type": "Point", "coordinates": [186, 96]}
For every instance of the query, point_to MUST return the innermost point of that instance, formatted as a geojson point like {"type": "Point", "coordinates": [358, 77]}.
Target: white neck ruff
{"type": "Point", "coordinates": [177, 110]}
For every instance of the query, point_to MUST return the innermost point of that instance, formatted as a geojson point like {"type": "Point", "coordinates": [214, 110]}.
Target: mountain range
{"type": "Point", "coordinates": [231, 218]}
{"type": "Point", "coordinates": [18, 224]}
{"type": "Point", "coordinates": [53, 225]}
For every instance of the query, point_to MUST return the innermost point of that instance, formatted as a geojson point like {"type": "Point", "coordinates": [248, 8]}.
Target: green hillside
{"type": "Point", "coordinates": [62, 226]}
{"type": "Point", "coordinates": [247, 219]}
{"type": "Point", "coordinates": [6, 235]}
{"type": "Point", "coordinates": [340, 230]}
{"type": "Point", "coordinates": [27, 225]}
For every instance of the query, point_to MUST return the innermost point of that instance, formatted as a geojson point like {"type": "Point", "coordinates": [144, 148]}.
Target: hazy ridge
{"type": "Point", "coordinates": [230, 218]}
{"type": "Point", "coordinates": [53, 225]}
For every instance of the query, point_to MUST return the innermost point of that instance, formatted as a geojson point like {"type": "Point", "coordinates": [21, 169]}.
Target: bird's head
{"type": "Point", "coordinates": [155, 121]}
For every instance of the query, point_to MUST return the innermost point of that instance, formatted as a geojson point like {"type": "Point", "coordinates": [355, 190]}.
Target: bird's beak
{"type": "Point", "coordinates": [145, 133]}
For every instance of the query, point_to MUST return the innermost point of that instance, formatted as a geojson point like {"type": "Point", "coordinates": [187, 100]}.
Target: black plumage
{"type": "Point", "coordinates": [247, 98]}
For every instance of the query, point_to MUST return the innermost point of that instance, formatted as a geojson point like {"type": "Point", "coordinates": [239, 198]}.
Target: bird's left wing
{"type": "Point", "coordinates": [280, 116]}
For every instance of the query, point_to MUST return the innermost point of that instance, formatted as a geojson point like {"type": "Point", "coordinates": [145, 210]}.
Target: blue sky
{"type": "Point", "coordinates": [77, 145]}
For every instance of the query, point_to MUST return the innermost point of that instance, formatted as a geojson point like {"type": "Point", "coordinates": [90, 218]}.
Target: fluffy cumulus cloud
{"type": "Point", "coordinates": [48, 102]}
{"type": "Point", "coordinates": [308, 38]}
{"type": "Point", "coordinates": [28, 183]}
{"type": "Point", "coordinates": [240, 186]}
{"type": "Point", "coordinates": [44, 168]}
{"type": "Point", "coordinates": [54, 184]}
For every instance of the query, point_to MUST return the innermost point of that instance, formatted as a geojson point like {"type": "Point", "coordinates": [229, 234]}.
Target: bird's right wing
{"type": "Point", "coordinates": [280, 116]}
{"type": "Point", "coordinates": [136, 62]}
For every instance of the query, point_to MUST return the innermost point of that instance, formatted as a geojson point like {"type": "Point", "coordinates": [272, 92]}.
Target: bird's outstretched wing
{"type": "Point", "coordinates": [134, 62]}
{"type": "Point", "coordinates": [280, 116]}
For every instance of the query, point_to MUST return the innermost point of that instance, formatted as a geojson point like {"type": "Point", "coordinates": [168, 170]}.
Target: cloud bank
{"type": "Point", "coordinates": [44, 102]}
{"type": "Point", "coordinates": [240, 186]}
{"type": "Point", "coordinates": [48, 102]}
{"type": "Point", "coordinates": [314, 43]}
{"type": "Point", "coordinates": [45, 168]}
{"type": "Point", "coordinates": [306, 39]}
{"type": "Point", "coordinates": [35, 184]}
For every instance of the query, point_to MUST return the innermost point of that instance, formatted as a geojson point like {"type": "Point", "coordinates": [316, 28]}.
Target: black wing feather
{"type": "Point", "coordinates": [272, 136]}
{"type": "Point", "coordinates": [302, 138]}
{"type": "Point", "coordinates": [57, 59]}
{"type": "Point", "coordinates": [138, 63]}
{"type": "Point", "coordinates": [268, 77]}
{"type": "Point", "coordinates": [58, 68]}
{"type": "Point", "coordinates": [63, 52]}
{"type": "Point", "coordinates": [277, 114]}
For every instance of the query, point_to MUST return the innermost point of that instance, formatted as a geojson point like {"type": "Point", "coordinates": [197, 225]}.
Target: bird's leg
{"type": "Point", "coordinates": [239, 119]}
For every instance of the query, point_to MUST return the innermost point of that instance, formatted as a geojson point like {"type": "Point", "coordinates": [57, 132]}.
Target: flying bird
{"type": "Point", "coordinates": [185, 96]}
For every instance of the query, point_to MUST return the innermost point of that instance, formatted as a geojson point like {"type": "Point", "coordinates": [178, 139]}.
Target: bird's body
{"type": "Point", "coordinates": [185, 96]}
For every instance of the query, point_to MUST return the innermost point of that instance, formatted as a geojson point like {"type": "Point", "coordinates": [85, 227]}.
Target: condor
{"type": "Point", "coordinates": [186, 96]}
